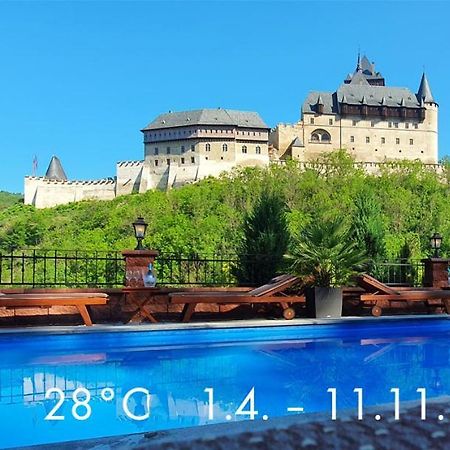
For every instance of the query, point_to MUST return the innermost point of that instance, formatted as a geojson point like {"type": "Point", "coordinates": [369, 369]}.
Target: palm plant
{"type": "Point", "coordinates": [325, 255]}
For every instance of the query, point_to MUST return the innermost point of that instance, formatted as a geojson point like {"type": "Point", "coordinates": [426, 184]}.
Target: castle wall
{"type": "Point", "coordinates": [45, 193]}
{"type": "Point", "coordinates": [366, 139]}
{"type": "Point", "coordinates": [130, 177]}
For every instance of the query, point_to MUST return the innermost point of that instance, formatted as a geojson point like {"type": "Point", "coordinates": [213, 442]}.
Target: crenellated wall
{"type": "Point", "coordinates": [44, 193]}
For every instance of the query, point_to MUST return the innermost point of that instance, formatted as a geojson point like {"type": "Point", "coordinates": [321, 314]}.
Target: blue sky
{"type": "Point", "coordinates": [80, 79]}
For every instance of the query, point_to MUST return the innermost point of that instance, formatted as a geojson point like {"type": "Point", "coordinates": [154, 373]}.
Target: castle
{"type": "Point", "coordinates": [374, 122]}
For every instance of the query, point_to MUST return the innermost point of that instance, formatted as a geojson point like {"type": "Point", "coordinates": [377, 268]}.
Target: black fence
{"type": "Point", "coordinates": [400, 273]}
{"type": "Point", "coordinates": [45, 268]}
{"type": "Point", "coordinates": [40, 268]}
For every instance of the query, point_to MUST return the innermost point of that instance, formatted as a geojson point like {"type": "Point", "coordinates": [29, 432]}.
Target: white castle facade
{"type": "Point", "coordinates": [375, 123]}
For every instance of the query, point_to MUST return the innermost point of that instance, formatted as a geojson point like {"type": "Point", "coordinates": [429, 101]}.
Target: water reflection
{"type": "Point", "coordinates": [285, 373]}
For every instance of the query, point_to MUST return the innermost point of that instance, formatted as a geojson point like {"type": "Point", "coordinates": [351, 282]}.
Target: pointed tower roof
{"type": "Point", "coordinates": [55, 170]}
{"type": "Point", "coordinates": [425, 91]}
{"type": "Point", "coordinates": [319, 100]}
{"type": "Point", "coordinates": [364, 100]}
{"type": "Point", "coordinates": [402, 102]}
{"type": "Point", "coordinates": [359, 79]}
{"type": "Point", "coordinates": [383, 101]}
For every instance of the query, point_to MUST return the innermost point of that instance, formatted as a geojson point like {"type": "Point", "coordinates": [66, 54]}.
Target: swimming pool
{"type": "Point", "coordinates": [154, 380]}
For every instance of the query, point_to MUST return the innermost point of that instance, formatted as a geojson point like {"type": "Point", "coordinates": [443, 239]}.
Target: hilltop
{"type": "Point", "coordinates": [405, 204]}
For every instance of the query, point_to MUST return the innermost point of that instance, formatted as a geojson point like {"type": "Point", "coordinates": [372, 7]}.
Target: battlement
{"type": "Point", "coordinates": [102, 181]}
{"type": "Point", "coordinates": [129, 163]}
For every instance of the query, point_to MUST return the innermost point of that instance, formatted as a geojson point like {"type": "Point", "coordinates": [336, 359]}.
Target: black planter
{"type": "Point", "coordinates": [324, 302]}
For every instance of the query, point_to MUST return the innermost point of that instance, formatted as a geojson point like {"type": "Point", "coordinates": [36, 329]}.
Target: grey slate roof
{"type": "Point", "coordinates": [358, 94]}
{"type": "Point", "coordinates": [309, 105]}
{"type": "Point", "coordinates": [297, 142]}
{"type": "Point", "coordinates": [55, 170]}
{"type": "Point", "coordinates": [374, 95]}
{"type": "Point", "coordinates": [425, 91]}
{"type": "Point", "coordinates": [207, 117]}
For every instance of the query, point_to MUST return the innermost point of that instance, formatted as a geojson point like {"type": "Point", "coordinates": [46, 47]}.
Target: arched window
{"type": "Point", "coordinates": [224, 147]}
{"type": "Point", "coordinates": [258, 150]}
{"type": "Point", "coordinates": [320, 136]}
{"type": "Point", "coordinates": [244, 149]}
{"type": "Point", "coordinates": [208, 147]}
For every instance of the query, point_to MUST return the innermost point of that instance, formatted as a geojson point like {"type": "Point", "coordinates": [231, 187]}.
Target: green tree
{"type": "Point", "coordinates": [265, 240]}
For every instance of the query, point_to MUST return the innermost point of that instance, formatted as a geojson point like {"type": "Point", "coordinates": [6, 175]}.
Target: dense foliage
{"type": "Point", "coordinates": [325, 254]}
{"type": "Point", "coordinates": [7, 199]}
{"type": "Point", "coordinates": [265, 239]}
{"type": "Point", "coordinates": [395, 210]}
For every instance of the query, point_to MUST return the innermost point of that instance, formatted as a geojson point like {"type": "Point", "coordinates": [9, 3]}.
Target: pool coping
{"type": "Point", "coordinates": [252, 323]}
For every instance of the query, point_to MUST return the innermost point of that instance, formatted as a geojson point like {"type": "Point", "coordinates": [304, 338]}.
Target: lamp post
{"type": "Point", "coordinates": [435, 242]}
{"type": "Point", "coordinates": [140, 227]}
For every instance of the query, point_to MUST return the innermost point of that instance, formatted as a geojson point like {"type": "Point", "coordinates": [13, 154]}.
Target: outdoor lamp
{"type": "Point", "coordinates": [140, 227]}
{"type": "Point", "coordinates": [436, 241]}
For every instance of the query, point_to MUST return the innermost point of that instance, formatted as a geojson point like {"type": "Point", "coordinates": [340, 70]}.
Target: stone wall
{"type": "Point", "coordinates": [44, 193]}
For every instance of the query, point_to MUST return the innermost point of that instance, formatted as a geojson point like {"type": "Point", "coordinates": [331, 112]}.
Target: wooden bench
{"type": "Point", "coordinates": [382, 296]}
{"type": "Point", "coordinates": [271, 292]}
{"type": "Point", "coordinates": [80, 301]}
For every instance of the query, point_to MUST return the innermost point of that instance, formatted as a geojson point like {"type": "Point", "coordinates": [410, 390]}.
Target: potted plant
{"type": "Point", "coordinates": [326, 257]}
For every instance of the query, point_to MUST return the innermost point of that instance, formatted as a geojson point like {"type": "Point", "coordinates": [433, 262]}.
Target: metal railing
{"type": "Point", "coordinates": [400, 273]}
{"type": "Point", "coordinates": [56, 268]}
{"type": "Point", "coordinates": [213, 270]}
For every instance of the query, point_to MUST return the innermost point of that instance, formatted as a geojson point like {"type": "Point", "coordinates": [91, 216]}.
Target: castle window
{"type": "Point", "coordinates": [390, 124]}
{"type": "Point", "coordinates": [208, 147]}
{"type": "Point", "coordinates": [168, 150]}
{"type": "Point", "coordinates": [311, 121]}
{"type": "Point", "coordinates": [258, 150]}
{"type": "Point", "coordinates": [411, 142]}
{"type": "Point", "coordinates": [244, 149]}
{"type": "Point", "coordinates": [367, 139]}
{"type": "Point", "coordinates": [168, 161]}
{"type": "Point", "coordinates": [406, 125]}
{"type": "Point", "coordinates": [193, 148]}
{"type": "Point", "coordinates": [192, 160]}
{"type": "Point", "coordinates": [354, 123]}
{"type": "Point", "coordinates": [416, 125]}
{"type": "Point", "coordinates": [397, 141]}
{"type": "Point", "coordinates": [156, 152]}
{"type": "Point", "coordinates": [156, 162]}
{"type": "Point", "coordinates": [372, 124]}
{"type": "Point", "coordinates": [182, 148]}
{"type": "Point", "coordinates": [396, 124]}
{"type": "Point", "coordinates": [399, 151]}
{"type": "Point", "coordinates": [320, 136]}
{"type": "Point", "coordinates": [224, 147]}
{"type": "Point", "coordinates": [330, 121]}
{"type": "Point", "coordinates": [182, 160]}
{"type": "Point", "coordinates": [383, 140]}
{"type": "Point", "coordinates": [352, 138]}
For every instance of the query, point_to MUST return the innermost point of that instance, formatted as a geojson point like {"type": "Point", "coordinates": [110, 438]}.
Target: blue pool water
{"type": "Point", "coordinates": [288, 366]}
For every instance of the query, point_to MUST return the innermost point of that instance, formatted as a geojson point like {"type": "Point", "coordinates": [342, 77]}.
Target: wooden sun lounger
{"type": "Point", "coordinates": [381, 296]}
{"type": "Point", "coordinates": [80, 301]}
{"type": "Point", "coordinates": [263, 294]}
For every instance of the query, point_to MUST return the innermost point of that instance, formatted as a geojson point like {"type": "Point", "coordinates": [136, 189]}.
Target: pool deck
{"type": "Point", "coordinates": [311, 431]}
{"type": "Point", "coordinates": [256, 323]}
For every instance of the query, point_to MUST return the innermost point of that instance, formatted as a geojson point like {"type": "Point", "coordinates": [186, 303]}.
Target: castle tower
{"type": "Point", "coordinates": [55, 170]}
{"type": "Point", "coordinates": [426, 99]}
